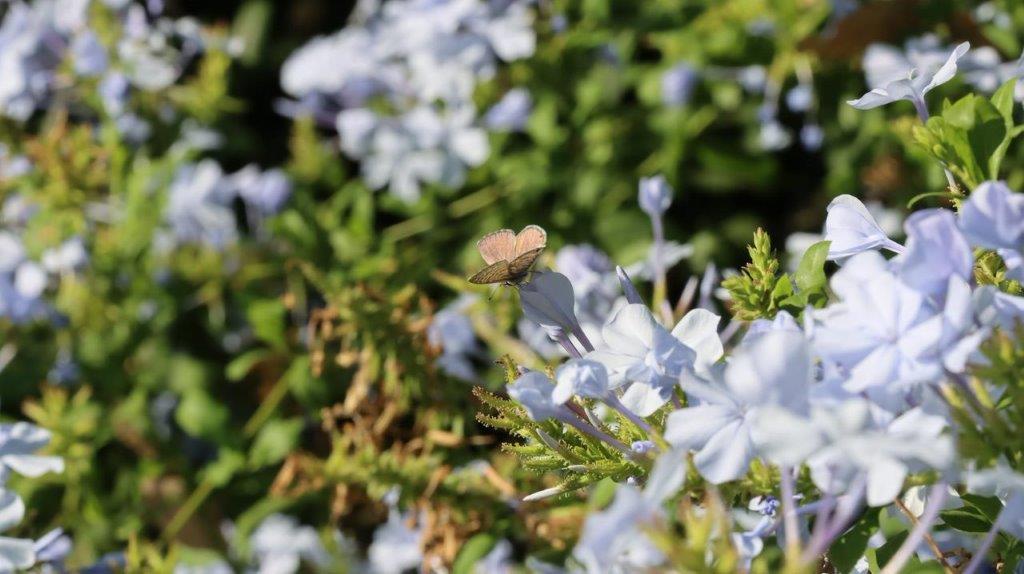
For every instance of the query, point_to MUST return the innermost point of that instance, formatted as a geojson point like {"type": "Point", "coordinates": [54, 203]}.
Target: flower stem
{"type": "Point", "coordinates": [919, 532]}
{"type": "Point", "coordinates": [613, 401]}
{"type": "Point", "coordinates": [566, 343]}
{"type": "Point", "coordinates": [845, 511]}
{"type": "Point", "coordinates": [595, 433]}
{"type": "Point", "coordinates": [789, 512]}
{"type": "Point", "coordinates": [986, 544]}
{"type": "Point", "coordinates": [660, 273]}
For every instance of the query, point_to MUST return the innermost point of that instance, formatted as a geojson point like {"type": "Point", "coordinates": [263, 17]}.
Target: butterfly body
{"type": "Point", "coordinates": [509, 255]}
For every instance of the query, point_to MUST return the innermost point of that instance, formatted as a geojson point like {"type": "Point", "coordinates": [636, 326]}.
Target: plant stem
{"type": "Point", "coordinates": [566, 343]}
{"type": "Point", "coordinates": [185, 512]}
{"type": "Point", "coordinates": [789, 512]}
{"type": "Point", "coordinates": [595, 433]}
{"type": "Point", "coordinates": [986, 544]}
{"type": "Point", "coordinates": [919, 532]}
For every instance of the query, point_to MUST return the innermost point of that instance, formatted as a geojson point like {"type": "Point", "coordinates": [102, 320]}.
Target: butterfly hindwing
{"type": "Point", "coordinates": [529, 239]}
{"type": "Point", "coordinates": [497, 246]}
{"type": "Point", "coordinates": [497, 272]}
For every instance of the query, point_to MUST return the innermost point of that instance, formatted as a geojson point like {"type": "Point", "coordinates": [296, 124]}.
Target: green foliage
{"type": "Point", "coordinates": [971, 136]}
{"type": "Point", "coordinates": [760, 291]}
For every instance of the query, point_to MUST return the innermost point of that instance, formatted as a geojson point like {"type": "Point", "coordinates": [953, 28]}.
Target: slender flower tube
{"type": "Point", "coordinates": [909, 546]}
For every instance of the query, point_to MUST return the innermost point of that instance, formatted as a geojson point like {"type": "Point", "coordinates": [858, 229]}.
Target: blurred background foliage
{"type": "Point", "coordinates": [293, 370]}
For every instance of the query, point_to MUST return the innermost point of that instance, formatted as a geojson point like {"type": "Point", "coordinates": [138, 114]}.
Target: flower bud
{"type": "Point", "coordinates": [655, 195]}
{"type": "Point", "coordinates": [548, 300]}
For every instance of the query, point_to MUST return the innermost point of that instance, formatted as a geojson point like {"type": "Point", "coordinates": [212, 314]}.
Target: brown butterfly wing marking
{"type": "Point", "coordinates": [497, 272]}
{"type": "Point", "coordinates": [520, 265]}
{"type": "Point", "coordinates": [497, 246]}
{"type": "Point", "coordinates": [532, 237]}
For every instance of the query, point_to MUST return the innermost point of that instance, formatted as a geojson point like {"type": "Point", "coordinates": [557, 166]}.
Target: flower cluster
{"type": "Point", "coordinates": [18, 445]}
{"type": "Point", "coordinates": [855, 390]}
{"type": "Point", "coordinates": [397, 84]}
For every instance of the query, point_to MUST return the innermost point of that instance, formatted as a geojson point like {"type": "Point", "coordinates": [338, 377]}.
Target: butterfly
{"type": "Point", "coordinates": [509, 256]}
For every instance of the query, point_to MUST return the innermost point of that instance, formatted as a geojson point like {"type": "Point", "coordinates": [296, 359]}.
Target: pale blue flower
{"type": "Point", "coordinates": [678, 84]}
{"type": "Point", "coordinates": [396, 546]}
{"type": "Point", "coordinates": [511, 112]}
{"type": "Point", "coordinates": [935, 251]}
{"type": "Point", "coordinates": [655, 195]}
{"type": "Point", "coordinates": [548, 300]}
{"type": "Point", "coordinates": [613, 540]}
{"type": "Point", "coordinates": [774, 369]}
{"type": "Point", "coordinates": [280, 545]}
{"type": "Point", "coordinates": [265, 191]}
{"type": "Point", "coordinates": [16, 554]}
{"type": "Point", "coordinates": [535, 393]}
{"type": "Point", "coordinates": [28, 61]}
{"type": "Point", "coordinates": [53, 547]}
{"type": "Point", "coordinates": [851, 228]}
{"type": "Point", "coordinates": [841, 444]}
{"type": "Point", "coordinates": [199, 205]}
{"type": "Point", "coordinates": [581, 377]}
{"type": "Point", "coordinates": [800, 98]}
{"type": "Point", "coordinates": [993, 218]}
{"type": "Point", "coordinates": [892, 78]}
{"type": "Point", "coordinates": [420, 147]}
{"type": "Point", "coordinates": [90, 57]}
{"type": "Point", "coordinates": [773, 136]}
{"type": "Point", "coordinates": [670, 253]}
{"type": "Point", "coordinates": [881, 330]}
{"type": "Point", "coordinates": [66, 258]}
{"type": "Point", "coordinates": [497, 561]}
{"type": "Point", "coordinates": [638, 350]}
{"type": "Point", "coordinates": [811, 137]}
{"type": "Point", "coordinates": [452, 332]}
{"type": "Point", "coordinates": [18, 444]}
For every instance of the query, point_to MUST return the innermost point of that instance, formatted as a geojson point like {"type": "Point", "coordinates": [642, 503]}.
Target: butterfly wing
{"type": "Point", "coordinates": [497, 246]}
{"type": "Point", "coordinates": [496, 272]}
{"type": "Point", "coordinates": [531, 238]}
{"type": "Point", "coordinates": [520, 265]}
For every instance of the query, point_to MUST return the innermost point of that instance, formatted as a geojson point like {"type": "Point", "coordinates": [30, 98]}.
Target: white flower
{"type": "Point", "coordinates": [639, 350]}
{"type": "Point", "coordinates": [903, 81]}
{"type": "Point", "coordinates": [613, 540]}
{"type": "Point", "coordinates": [852, 229]}
{"type": "Point", "coordinates": [18, 443]}
{"type": "Point", "coordinates": [773, 369]}
{"type": "Point", "coordinates": [841, 444]}
{"type": "Point", "coordinates": [535, 392]}
{"type": "Point", "coordinates": [280, 544]}
{"type": "Point", "coordinates": [15, 553]}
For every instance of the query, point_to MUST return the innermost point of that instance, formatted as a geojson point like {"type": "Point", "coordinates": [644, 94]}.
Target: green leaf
{"type": "Point", "coordinates": [472, 552]}
{"type": "Point", "coordinates": [240, 366]}
{"type": "Point", "coordinates": [884, 552]}
{"type": "Point", "coordinates": [810, 274]}
{"type": "Point", "coordinates": [267, 317]}
{"type": "Point", "coordinates": [1002, 100]}
{"type": "Point", "coordinates": [220, 471]}
{"type": "Point", "coordinates": [275, 440]}
{"type": "Point", "coordinates": [783, 288]}
{"type": "Point", "coordinates": [849, 547]}
{"type": "Point", "coordinates": [201, 415]}
{"type": "Point", "coordinates": [966, 520]}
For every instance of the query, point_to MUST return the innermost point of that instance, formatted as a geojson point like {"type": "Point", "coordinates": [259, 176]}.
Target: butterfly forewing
{"type": "Point", "coordinates": [531, 238]}
{"type": "Point", "coordinates": [495, 273]}
{"type": "Point", "coordinates": [497, 246]}
{"type": "Point", "coordinates": [520, 265]}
